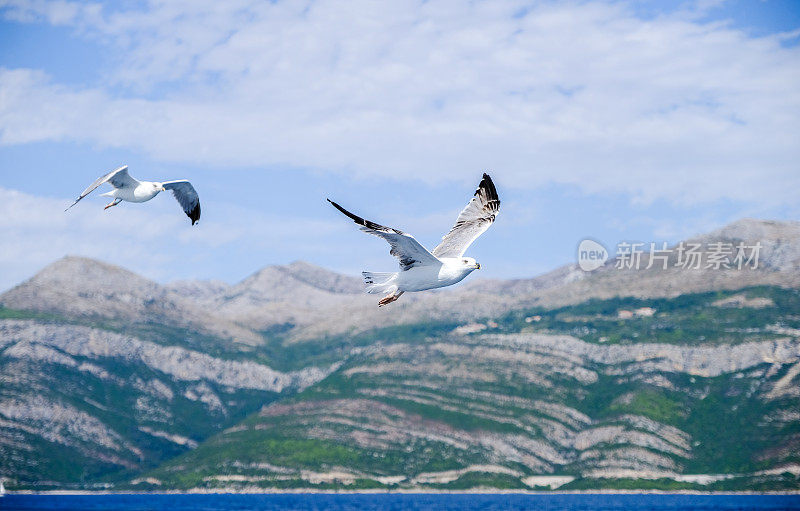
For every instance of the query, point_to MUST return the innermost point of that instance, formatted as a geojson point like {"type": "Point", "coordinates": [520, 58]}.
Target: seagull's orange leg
{"type": "Point", "coordinates": [113, 203]}
{"type": "Point", "coordinates": [390, 298]}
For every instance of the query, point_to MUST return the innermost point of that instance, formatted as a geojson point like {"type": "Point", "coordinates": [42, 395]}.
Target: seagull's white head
{"type": "Point", "coordinates": [158, 187]}
{"type": "Point", "coordinates": [470, 263]}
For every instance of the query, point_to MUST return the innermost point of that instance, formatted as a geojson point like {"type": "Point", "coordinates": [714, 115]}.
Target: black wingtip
{"type": "Point", "coordinates": [361, 221]}
{"type": "Point", "coordinates": [489, 192]}
{"type": "Point", "coordinates": [488, 185]}
{"type": "Point", "coordinates": [194, 214]}
{"type": "Point", "coordinates": [357, 218]}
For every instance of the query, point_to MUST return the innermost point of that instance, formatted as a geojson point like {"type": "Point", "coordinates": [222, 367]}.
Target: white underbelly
{"type": "Point", "coordinates": [134, 194]}
{"type": "Point", "coordinates": [421, 278]}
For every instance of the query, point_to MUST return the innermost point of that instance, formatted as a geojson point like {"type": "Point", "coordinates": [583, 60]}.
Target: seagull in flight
{"type": "Point", "coordinates": [446, 265]}
{"type": "Point", "coordinates": [129, 189]}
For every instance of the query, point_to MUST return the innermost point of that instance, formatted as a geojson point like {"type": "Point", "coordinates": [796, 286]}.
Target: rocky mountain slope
{"type": "Point", "coordinates": [778, 264]}
{"type": "Point", "coordinates": [311, 308]}
{"type": "Point", "coordinates": [79, 402]}
{"type": "Point", "coordinates": [515, 404]}
{"type": "Point", "coordinates": [87, 290]}
{"type": "Point", "coordinates": [293, 378]}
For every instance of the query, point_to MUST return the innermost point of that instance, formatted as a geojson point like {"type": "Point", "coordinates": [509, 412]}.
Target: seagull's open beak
{"type": "Point", "coordinates": [477, 266]}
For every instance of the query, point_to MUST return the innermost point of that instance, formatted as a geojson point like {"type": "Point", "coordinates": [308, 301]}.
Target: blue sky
{"type": "Point", "coordinates": [613, 120]}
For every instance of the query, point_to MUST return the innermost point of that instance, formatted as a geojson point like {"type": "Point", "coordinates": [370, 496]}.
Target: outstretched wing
{"type": "Point", "coordinates": [472, 221]}
{"type": "Point", "coordinates": [404, 247]}
{"type": "Point", "coordinates": [118, 178]}
{"type": "Point", "coordinates": [186, 195]}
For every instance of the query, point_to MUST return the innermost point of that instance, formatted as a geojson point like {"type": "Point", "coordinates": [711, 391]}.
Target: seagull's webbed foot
{"type": "Point", "coordinates": [389, 299]}
{"type": "Point", "coordinates": [112, 203]}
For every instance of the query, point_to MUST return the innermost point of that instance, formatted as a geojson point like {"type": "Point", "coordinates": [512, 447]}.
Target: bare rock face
{"type": "Point", "coordinates": [308, 302]}
{"type": "Point", "coordinates": [323, 279]}
{"type": "Point", "coordinates": [112, 401]}
{"type": "Point", "coordinates": [293, 294]}
{"type": "Point", "coordinates": [521, 287]}
{"type": "Point", "coordinates": [781, 248]}
{"type": "Point", "coordinates": [177, 363]}
{"type": "Point", "coordinates": [270, 285]}
{"type": "Point", "coordinates": [512, 404]}
{"type": "Point", "coordinates": [78, 287]}
{"type": "Point", "coordinates": [200, 292]}
{"type": "Point", "coordinates": [778, 264]}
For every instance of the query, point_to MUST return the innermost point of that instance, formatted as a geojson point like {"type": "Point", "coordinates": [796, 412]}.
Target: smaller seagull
{"type": "Point", "coordinates": [129, 189]}
{"type": "Point", "coordinates": [446, 265]}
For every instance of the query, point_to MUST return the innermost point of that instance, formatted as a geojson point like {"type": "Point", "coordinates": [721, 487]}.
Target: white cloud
{"type": "Point", "coordinates": [579, 93]}
{"type": "Point", "coordinates": [35, 230]}
{"type": "Point", "coordinates": [154, 240]}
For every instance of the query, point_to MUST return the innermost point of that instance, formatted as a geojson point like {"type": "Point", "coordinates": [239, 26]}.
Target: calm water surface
{"type": "Point", "coordinates": [226, 502]}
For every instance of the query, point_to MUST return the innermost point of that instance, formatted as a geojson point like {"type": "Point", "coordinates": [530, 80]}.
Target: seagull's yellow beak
{"type": "Point", "coordinates": [477, 266]}
{"type": "Point", "coordinates": [163, 189]}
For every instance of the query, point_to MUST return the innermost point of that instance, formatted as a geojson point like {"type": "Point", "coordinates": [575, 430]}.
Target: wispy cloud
{"type": "Point", "coordinates": [35, 231]}
{"type": "Point", "coordinates": [154, 240]}
{"type": "Point", "coordinates": [582, 93]}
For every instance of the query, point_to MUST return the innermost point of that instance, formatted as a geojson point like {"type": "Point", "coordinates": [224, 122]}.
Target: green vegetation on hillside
{"type": "Point", "coordinates": [685, 319]}
{"type": "Point", "coordinates": [415, 406]}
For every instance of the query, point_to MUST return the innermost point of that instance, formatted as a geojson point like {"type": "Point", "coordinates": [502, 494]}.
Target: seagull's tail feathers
{"type": "Point", "coordinates": [378, 282]}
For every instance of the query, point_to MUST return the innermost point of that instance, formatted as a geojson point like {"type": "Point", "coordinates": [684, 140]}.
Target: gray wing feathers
{"type": "Point", "coordinates": [472, 221]}
{"type": "Point", "coordinates": [118, 178]}
{"type": "Point", "coordinates": [405, 248]}
{"type": "Point", "coordinates": [186, 196]}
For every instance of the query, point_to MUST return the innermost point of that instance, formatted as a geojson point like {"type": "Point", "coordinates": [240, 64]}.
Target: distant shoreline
{"type": "Point", "coordinates": [230, 491]}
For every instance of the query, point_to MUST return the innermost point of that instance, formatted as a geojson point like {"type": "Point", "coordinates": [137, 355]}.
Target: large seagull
{"type": "Point", "coordinates": [129, 189]}
{"type": "Point", "coordinates": [446, 265]}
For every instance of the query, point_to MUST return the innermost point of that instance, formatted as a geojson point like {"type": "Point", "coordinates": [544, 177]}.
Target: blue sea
{"type": "Point", "coordinates": [398, 502]}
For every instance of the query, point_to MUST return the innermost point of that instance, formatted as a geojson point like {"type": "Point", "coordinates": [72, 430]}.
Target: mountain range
{"type": "Point", "coordinates": [293, 378]}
